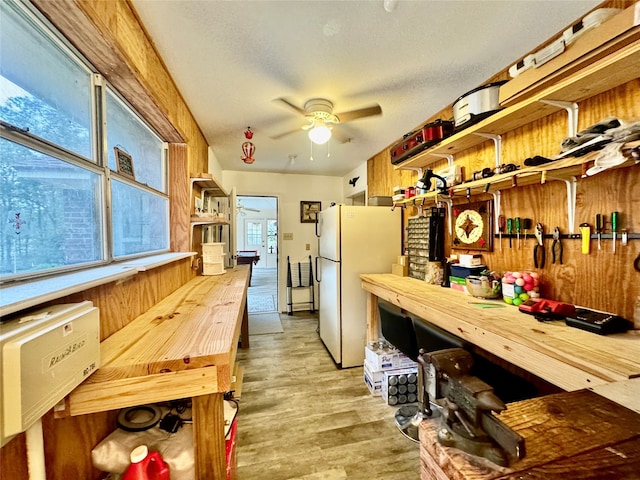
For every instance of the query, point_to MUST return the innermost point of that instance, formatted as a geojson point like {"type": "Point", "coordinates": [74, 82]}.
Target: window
{"type": "Point", "coordinates": [254, 234]}
{"type": "Point", "coordinates": [44, 89]}
{"type": "Point", "coordinates": [48, 216]}
{"type": "Point", "coordinates": [64, 204]}
{"type": "Point", "coordinates": [140, 215]}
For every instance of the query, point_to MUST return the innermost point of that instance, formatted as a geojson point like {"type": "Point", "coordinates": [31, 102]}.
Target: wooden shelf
{"type": "Point", "coordinates": [563, 169]}
{"type": "Point", "coordinates": [196, 220]}
{"type": "Point", "coordinates": [616, 69]}
{"type": "Point", "coordinates": [205, 181]}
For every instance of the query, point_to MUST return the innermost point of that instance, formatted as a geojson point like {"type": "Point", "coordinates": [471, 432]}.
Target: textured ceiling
{"type": "Point", "coordinates": [231, 59]}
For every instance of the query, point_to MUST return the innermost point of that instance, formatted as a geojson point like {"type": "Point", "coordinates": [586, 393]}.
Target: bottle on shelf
{"type": "Point", "coordinates": [146, 465]}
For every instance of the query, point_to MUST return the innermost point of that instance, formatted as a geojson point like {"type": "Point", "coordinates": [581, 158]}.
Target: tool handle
{"type": "Point", "coordinates": [501, 223]}
{"type": "Point", "coordinates": [517, 221]}
{"type": "Point", "coordinates": [599, 223]}
{"type": "Point", "coordinates": [614, 222]}
{"type": "Point", "coordinates": [509, 225]}
{"type": "Point", "coordinates": [585, 230]}
{"type": "Point", "coordinates": [526, 224]}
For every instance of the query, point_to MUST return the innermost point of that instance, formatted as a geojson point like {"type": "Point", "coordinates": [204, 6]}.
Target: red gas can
{"type": "Point", "coordinates": [146, 465]}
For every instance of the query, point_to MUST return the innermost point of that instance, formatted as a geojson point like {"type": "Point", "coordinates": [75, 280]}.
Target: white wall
{"type": "Point", "coordinates": [291, 190]}
{"type": "Point", "coordinates": [214, 166]}
{"type": "Point", "coordinates": [361, 183]}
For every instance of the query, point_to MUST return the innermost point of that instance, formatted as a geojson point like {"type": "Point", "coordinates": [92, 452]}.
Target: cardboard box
{"type": "Point", "coordinates": [470, 260]}
{"type": "Point", "coordinates": [612, 35]}
{"type": "Point", "coordinates": [403, 260]}
{"type": "Point", "coordinates": [373, 379]}
{"type": "Point", "coordinates": [400, 270]}
{"type": "Point", "coordinates": [400, 386]}
{"type": "Point", "coordinates": [393, 359]}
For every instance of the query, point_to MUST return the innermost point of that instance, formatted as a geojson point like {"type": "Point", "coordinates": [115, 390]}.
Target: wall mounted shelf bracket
{"type": "Point", "coordinates": [448, 156]}
{"type": "Point", "coordinates": [572, 186]}
{"type": "Point", "coordinates": [572, 112]}
{"type": "Point", "coordinates": [497, 141]}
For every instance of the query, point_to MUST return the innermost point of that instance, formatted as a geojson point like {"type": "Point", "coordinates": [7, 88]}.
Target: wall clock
{"type": "Point", "coordinates": [473, 226]}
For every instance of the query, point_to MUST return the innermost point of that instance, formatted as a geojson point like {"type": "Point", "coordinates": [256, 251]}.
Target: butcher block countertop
{"type": "Point", "coordinates": [184, 346]}
{"type": "Point", "coordinates": [570, 358]}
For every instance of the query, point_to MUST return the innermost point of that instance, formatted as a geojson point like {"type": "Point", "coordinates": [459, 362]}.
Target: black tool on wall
{"type": "Point", "coordinates": [436, 234]}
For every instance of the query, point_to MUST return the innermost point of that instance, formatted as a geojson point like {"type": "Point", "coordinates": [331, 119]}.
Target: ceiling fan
{"type": "Point", "coordinates": [319, 113]}
{"type": "Point", "coordinates": [242, 210]}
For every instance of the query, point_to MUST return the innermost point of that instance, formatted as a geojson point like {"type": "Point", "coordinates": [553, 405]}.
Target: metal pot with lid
{"type": "Point", "coordinates": [477, 104]}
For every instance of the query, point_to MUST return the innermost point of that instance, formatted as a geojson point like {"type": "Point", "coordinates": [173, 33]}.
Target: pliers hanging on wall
{"type": "Point", "coordinates": [557, 245]}
{"type": "Point", "coordinates": [539, 254]}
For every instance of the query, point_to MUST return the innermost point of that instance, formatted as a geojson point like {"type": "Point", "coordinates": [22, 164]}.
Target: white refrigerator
{"type": "Point", "coordinates": [352, 240]}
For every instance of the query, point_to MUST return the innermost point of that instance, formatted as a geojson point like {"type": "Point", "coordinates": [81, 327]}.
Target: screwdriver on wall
{"type": "Point", "coordinates": [518, 230]}
{"type": "Point", "coordinates": [614, 228]}
{"type": "Point", "coordinates": [510, 230]}
{"type": "Point", "coordinates": [526, 226]}
{"type": "Point", "coordinates": [599, 227]}
{"type": "Point", "coordinates": [501, 223]}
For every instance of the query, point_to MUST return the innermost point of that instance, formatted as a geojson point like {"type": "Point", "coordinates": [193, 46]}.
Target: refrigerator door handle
{"type": "Point", "coordinates": [317, 229]}
{"type": "Point", "coordinates": [318, 279]}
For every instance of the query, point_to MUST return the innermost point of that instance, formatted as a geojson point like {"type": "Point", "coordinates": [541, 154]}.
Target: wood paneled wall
{"type": "Point", "coordinates": [600, 280]}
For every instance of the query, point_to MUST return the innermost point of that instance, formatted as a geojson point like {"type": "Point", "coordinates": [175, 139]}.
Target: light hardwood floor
{"type": "Point", "coordinates": [301, 417]}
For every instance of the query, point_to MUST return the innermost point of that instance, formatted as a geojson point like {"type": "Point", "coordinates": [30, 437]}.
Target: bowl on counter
{"type": "Point", "coordinates": [483, 286]}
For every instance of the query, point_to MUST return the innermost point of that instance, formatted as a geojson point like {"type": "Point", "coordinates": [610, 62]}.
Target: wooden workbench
{"type": "Point", "coordinates": [184, 346]}
{"type": "Point", "coordinates": [574, 435]}
{"type": "Point", "coordinates": [565, 356]}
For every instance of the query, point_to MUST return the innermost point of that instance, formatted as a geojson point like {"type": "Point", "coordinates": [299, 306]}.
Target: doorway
{"type": "Point", "coordinates": [257, 230]}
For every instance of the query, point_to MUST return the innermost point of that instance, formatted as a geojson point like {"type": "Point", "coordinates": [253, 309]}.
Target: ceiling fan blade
{"type": "Point", "coordinates": [291, 106]}
{"type": "Point", "coordinates": [284, 134]}
{"type": "Point", "coordinates": [361, 113]}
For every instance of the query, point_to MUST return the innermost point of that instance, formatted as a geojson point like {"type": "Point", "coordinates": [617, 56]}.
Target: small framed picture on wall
{"type": "Point", "coordinates": [124, 163]}
{"type": "Point", "coordinates": [309, 211]}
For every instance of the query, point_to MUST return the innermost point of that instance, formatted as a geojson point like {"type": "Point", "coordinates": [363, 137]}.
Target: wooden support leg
{"type": "Point", "coordinates": [244, 327]}
{"type": "Point", "coordinates": [208, 437]}
{"type": "Point", "coordinates": [373, 329]}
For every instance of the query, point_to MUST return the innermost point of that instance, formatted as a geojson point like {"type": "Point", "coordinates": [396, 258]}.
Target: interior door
{"type": "Point", "coordinates": [255, 232]}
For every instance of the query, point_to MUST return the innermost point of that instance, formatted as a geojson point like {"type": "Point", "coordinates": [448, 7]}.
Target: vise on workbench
{"type": "Point", "coordinates": [467, 418]}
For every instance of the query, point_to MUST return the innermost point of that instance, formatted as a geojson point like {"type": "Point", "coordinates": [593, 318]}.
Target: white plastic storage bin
{"type": "Point", "coordinates": [212, 252]}
{"type": "Point", "coordinates": [214, 268]}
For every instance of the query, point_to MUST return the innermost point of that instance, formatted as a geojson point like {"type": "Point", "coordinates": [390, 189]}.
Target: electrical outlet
{"type": "Point", "coordinates": [287, 236]}
{"type": "Point", "coordinates": [308, 246]}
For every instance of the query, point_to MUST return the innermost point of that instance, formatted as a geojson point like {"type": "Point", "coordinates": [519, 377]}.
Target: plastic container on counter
{"type": "Point", "coordinates": [518, 287]}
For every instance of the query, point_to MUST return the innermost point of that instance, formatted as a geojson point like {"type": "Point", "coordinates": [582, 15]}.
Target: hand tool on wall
{"type": "Point", "coordinates": [585, 231]}
{"type": "Point", "coordinates": [510, 230]}
{"type": "Point", "coordinates": [556, 246]}
{"type": "Point", "coordinates": [518, 230]}
{"type": "Point", "coordinates": [501, 224]}
{"type": "Point", "coordinates": [526, 226]}
{"type": "Point", "coordinates": [599, 227]}
{"type": "Point", "coordinates": [614, 229]}
{"type": "Point", "coordinates": [539, 254]}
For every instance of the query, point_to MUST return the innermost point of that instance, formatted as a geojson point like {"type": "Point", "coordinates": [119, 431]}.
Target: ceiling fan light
{"type": "Point", "coordinates": [320, 134]}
